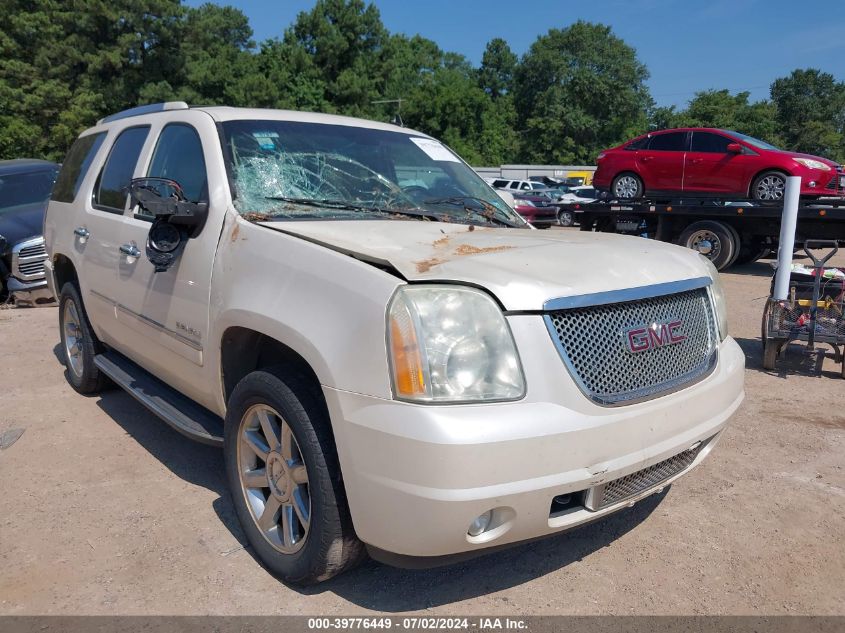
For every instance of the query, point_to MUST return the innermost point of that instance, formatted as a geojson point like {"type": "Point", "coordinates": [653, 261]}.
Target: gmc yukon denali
{"type": "Point", "coordinates": [394, 363]}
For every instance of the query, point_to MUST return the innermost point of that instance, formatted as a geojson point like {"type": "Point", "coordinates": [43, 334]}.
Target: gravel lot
{"type": "Point", "coordinates": [105, 510]}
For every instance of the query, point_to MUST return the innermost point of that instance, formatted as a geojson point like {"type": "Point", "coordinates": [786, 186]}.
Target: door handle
{"type": "Point", "coordinates": [130, 250]}
{"type": "Point", "coordinates": [82, 233]}
{"type": "Point", "coordinates": [645, 159]}
{"type": "Point", "coordinates": [695, 161]}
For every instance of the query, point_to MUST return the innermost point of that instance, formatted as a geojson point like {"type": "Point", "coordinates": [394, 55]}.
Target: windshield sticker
{"type": "Point", "coordinates": [265, 139]}
{"type": "Point", "coordinates": [435, 150]}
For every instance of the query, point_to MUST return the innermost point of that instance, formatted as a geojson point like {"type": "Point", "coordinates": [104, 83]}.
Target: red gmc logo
{"type": "Point", "coordinates": [642, 339]}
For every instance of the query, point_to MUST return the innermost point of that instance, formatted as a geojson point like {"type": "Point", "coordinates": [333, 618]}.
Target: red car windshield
{"type": "Point", "coordinates": [756, 142]}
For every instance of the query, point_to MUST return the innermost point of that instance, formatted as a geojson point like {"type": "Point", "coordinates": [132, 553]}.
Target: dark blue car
{"type": "Point", "coordinates": [25, 186]}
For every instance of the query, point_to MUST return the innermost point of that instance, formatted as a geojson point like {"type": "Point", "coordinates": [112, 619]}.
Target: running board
{"type": "Point", "coordinates": [179, 411]}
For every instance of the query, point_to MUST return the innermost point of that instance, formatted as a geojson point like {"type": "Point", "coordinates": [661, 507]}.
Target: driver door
{"type": "Point", "coordinates": [165, 314]}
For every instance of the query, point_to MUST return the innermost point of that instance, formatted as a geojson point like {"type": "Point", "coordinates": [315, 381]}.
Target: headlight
{"type": "Point", "coordinates": [720, 301]}
{"type": "Point", "coordinates": [813, 164]}
{"type": "Point", "coordinates": [451, 344]}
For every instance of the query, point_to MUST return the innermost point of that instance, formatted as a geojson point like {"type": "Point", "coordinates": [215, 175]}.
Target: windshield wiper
{"type": "Point", "coordinates": [489, 212]}
{"type": "Point", "coordinates": [352, 206]}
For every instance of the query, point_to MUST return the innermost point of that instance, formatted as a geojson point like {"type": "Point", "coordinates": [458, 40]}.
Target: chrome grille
{"type": "Point", "coordinates": [35, 250]}
{"type": "Point", "coordinates": [640, 481]}
{"type": "Point", "coordinates": [592, 342]}
{"type": "Point", "coordinates": [28, 259]}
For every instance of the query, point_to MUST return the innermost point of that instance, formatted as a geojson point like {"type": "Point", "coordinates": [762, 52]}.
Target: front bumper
{"type": "Point", "coordinates": [416, 476]}
{"type": "Point", "coordinates": [30, 293]}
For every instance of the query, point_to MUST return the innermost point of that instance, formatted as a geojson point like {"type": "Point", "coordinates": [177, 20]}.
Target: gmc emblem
{"type": "Point", "coordinates": [644, 338]}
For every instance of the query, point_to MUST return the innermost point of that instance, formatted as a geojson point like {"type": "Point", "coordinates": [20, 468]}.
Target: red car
{"type": "Point", "coordinates": [714, 162]}
{"type": "Point", "coordinates": [537, 210]}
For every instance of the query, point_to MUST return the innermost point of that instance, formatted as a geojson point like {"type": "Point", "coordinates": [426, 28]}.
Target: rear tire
{"type": "Point", "coordinates": [749, 253]}
{"type": "Point", "coordinates": [714, 240]}
{"type": "Point", "coordinates": [627, 186]}
{"type": "Point", "coordinates": [79, 343]}
{"type": "Point", "coordinates": [291, 502]}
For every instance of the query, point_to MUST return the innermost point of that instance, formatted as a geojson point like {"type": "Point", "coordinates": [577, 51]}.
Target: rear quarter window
{"type": "Point", "coordinates": [75, 167]}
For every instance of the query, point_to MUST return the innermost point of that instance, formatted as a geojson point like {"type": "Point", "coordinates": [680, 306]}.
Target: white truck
{"type": "Point", "coordinates": [393, 361]}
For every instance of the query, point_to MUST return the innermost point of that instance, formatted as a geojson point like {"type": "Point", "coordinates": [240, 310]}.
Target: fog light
{"type": "Point", "coordinates": [480, 523]}
{"type": "Point", "coordinates": [812, 183]}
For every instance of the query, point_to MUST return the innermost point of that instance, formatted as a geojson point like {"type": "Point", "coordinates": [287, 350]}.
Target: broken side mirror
{"type": "Point", "coordinates": [163, 197]}
{"type": "Point", "coordinates": [175, 219]}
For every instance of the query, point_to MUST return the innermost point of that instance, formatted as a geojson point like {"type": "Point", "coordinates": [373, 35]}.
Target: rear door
{"type": "Point", "coordinates": [710, 167]}
{"type": "Point", "coordinates": [661, 165]}
{"type": "Point", "coordinates": [99, 232]}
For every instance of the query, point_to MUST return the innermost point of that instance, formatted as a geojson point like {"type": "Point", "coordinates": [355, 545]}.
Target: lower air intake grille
{"type": "Point", "coordinates": [630, 485]}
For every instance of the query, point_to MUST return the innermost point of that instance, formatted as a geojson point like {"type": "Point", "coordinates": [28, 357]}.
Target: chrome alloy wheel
{"type": "Point", "coordinates": [705, 242]}
{"type": "Point", "coordinates": [274, 480]}
{"type": "Point", "coordinates": [626, 187]}
{"type": "Point", "coordinates": [771, 188]}
{"type": "Point", "coordinates": [73, 338]}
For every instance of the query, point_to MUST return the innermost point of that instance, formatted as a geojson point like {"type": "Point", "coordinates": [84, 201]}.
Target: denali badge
{"type": "Point", "coordinates": [644, 338]}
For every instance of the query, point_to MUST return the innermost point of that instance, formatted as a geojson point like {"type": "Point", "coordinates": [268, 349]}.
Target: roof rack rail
{"type": "Point", "coordinates": [144, 109]}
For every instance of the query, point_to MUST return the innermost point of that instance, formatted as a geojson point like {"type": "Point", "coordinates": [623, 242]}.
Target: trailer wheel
{"type": "Point", "coordinates": [771, 346]}
{"type": "Point", "coordinates": [714, 240]}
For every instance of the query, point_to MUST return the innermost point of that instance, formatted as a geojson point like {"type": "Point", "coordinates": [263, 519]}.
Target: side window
{"type": "Point", "coordinates": [640, 143]}
{"type": "Point", "coordinates": [111, 192]}
{"type": "Point", "coordinates": [178, 156]}
{"type": "Point", "coordinates": [709, 142]}
{"type": "Point", "coordinates": [500, 184]}
{"type": "Point", "coordinates": [75, 166]}
{"type": "Point", "coordinates": [525, 186]}
{"type": "Point", "coordinates": [671, 142]}
{"type": "Point", "coordinates": [514, 184]}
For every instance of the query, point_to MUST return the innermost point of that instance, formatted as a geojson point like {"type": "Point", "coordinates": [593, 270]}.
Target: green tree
{"type": "Point", "coordinates": [810, 111]}
{"type": "Point", "coordinates": [577, 91]}
{"type": "Point", "coordinates": [343, 38]}
{"type": "Point", "coordinates": [497, 67]}
{"type": "Point", "coordinates": [64, 64]}
{"type": "Point", "coordinates": [216, 45]}
{"type": "Point", "coordinates": [720, 109]}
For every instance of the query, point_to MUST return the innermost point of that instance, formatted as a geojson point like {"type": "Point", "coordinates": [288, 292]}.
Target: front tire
{"type": "Point", "coordinates": [284, 476]}
{"type": "Point", "coordinates": [566, 218]}
{"type": "Point", "coordinates": [627, 186]}
{"type": "Point", "coordinates": [769, 186]}
{"type": "Point", "coordinates": [78, 342]}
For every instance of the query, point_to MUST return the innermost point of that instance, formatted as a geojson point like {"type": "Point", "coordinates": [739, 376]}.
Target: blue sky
{"type": "Point", "coordinates": [687, 45]}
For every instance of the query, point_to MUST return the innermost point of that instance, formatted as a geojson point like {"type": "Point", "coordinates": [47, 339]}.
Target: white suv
{"type": "Point", "coordinates": [392, 360]}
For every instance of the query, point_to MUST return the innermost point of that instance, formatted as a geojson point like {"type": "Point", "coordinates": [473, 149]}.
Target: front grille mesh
{"type": "Point", "coordinates": [630, 485]}
{"type": "Point", "coordinates": [592, 344]}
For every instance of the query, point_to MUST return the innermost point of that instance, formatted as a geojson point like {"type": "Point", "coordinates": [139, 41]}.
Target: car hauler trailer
{"type": "Point", "coordinates": [727, 230]}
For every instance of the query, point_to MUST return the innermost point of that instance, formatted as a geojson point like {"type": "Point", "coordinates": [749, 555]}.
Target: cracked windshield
{"type": "Point", "coordinates": [285, 170]}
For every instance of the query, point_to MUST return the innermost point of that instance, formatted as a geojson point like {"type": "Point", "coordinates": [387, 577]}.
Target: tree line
{"type": "Point", "coordinates": [576, 91]}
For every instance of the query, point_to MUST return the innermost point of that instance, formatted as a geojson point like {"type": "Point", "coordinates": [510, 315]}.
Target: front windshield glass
{"type": "Point", "coordinates": [756, 142]}
{"type": "Point", "coordinates": [23, 190]}
{"type": "Point", "coordinates": [290, 170]}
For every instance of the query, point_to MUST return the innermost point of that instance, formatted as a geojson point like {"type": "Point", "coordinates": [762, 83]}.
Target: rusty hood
{"type": "Point", "coordinates": [522, 268]}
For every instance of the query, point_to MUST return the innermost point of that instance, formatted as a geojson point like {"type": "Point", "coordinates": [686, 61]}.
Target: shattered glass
{"type": "Point", "coordinates": [301, 170]}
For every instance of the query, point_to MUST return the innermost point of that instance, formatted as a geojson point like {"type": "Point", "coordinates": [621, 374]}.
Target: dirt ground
{"type": "Point", "coordinates": [106, 510]}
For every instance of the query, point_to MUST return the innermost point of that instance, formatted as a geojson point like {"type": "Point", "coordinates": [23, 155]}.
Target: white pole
{"type": "Point", "coordinates": [786, 243]}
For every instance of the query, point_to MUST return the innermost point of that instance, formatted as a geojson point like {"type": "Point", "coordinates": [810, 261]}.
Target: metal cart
{"type": "Point", "coordinates": [813, 312]}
